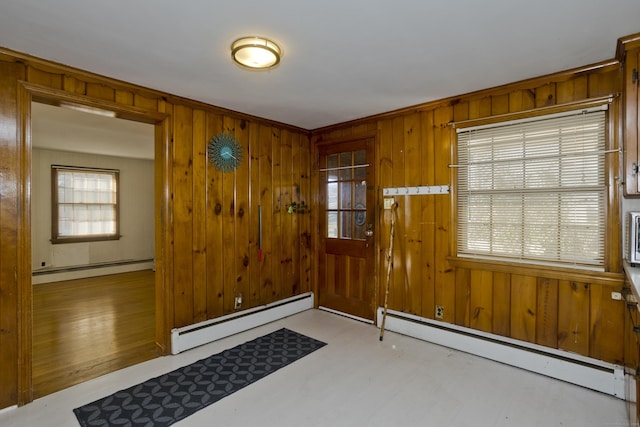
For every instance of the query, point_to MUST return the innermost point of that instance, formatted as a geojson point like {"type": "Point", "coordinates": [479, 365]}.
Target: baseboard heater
{"type": "Point", "coordinates": [211, 330]}
{"type": "Point", "coordinates": [90, 266]}
{"type": "Point", "coordinates": [573, 368]}
{"type": "Point", "coordinates": [57, 274]}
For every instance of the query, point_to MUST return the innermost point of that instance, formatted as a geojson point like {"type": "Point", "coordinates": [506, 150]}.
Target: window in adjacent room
{"type": "Point", "coordinates": [84, 204]}
{"type": "Point", "coordinates": [534, 190]}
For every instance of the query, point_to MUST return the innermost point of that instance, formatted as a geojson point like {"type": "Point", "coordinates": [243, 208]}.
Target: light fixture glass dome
{"type": "Point", "coordinates": [255, 52]}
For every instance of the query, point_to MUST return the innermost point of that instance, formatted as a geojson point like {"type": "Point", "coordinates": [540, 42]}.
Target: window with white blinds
{"type": "Point", "coordinates": [85, 204]}
{"type": "Point", "coordinates": [534, 190]}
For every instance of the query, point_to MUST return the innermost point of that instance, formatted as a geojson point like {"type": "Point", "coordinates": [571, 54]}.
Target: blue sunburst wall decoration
{"type": "Point", "coordinates": [224, 152]}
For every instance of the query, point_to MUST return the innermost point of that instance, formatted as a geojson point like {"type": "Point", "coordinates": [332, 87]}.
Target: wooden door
{"type": "Point", "coordinates": [346, 281]}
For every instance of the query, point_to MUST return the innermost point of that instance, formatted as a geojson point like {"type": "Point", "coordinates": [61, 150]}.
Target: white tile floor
{"type": "Point", "coordinates": [356, 380]}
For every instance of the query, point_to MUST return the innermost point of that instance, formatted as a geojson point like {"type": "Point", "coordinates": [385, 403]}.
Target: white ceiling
{"type": "Point", "coordinates": [343, 59]}
{"type": "Point", "coordinates": [57, 128]}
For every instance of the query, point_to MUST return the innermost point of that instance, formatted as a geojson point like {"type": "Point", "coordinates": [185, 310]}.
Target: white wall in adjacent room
{"type": "Point", "coordinates": [136, 211]}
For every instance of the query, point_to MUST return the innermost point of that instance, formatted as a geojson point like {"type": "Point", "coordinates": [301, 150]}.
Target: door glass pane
{"type": "Point", "coordinates": [332, 225]}
{"type": "Point", "coordinates": [332, 195]}
{"type": "Point", "coordinates": [346, 188]}
{"type": "Point", "coordinates": [360, 224]}
{"type": "Point", "coordinates": [345, 195]}
{"type": "Point", "coordinates": [345, 162]}
{"type": "Point", "coordinates": [332, 164]}
{"type": "Point", "coordinates": [360, 196]}
{"type": "Point", "coordinates": [345, 225]}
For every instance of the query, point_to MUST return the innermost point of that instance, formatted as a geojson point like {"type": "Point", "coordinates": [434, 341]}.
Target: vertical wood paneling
{"type": "Point", "coordinates": [44, 78]}
{"type": "Point", "coordinates": [546, 95]}
{"type": "Point", "coordinates": [279, 210]}
{"type": "Point", "coordinates": [463, 296]}
{"type": "Point", "coordinates": [288, 220]}
{"type": "Point", "coordinates": [267, 289]}
{"type": "Point", "coordinates": [124, 97]}
{"type": "Point", "coordinates": [305, 238]}
{"type": "Point", "coordinates": [481, 300]}
{"type": "Point", "coordinates": [100, 91]}
{"type": "Point", "coordinates": [207, 231]}
{"type": "Point", "coordinates": [210, 240]}
{"type": "Point", "coordinates": [523, 307]}
{"type": "Point", "coordinates": [604, 83]}
{"type": "Point", "coordinates": [445, 274]}
{"type": "Point", "coordinates": [397, 292]}
{"type": "Point", "coordinates": [242, 259]}
{"type": "Point", "coordinates": [142, 101]}
{"type": "Point", "coordinates": [295, 218]}
{"type": "Point", "coordinates": [547, 312]}
{"type": "Point", "coordinates": [385, 179]}
{"type": "Point", "coordinates": [480, 107]}
{"type": "Point", "coordinates": [73, 85]}
{"type": "Point", "coordinates": [215, 239]}
{"type": "Point", "coordinates": [502, 304]}
{"type": "Point", "coordinates": [199, 248]}
{"type": "Point", "coordinates": [427, 217]}
{"type": "Point", "coordinates": [520, 306]}
{"type": "Point", "coordinates": [521, 100]}
{"type": "Point", "coordinates": [499, 104]}
{"type": "Point", "coordinates": [571, 90]}
{"type": "Point", "coordinates": [183, 210]}
{"type": "Point", "coordinates": [605, 317]}
{"type": "Point", "coordinates": [253, 293]}
{"type": "Point", "coordinates": [573, 316]}
{"type": "Point", "coordinates": [228, 251]}
{"type": "Point", "coordinates": [412, 238]}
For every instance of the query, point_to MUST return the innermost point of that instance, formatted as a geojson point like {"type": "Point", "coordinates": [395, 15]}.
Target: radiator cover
{"type": "Point", "coordinates": [201, 333]}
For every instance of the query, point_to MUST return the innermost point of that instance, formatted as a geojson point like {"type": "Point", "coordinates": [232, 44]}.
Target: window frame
{"type": "Point", "coordinates": [55, 224]}
{"type": "Point", "coordinates": [611, 236]}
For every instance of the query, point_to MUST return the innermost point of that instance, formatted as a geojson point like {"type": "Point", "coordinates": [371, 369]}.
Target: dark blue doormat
{"type": "Point", "coordinates": [172, 397]}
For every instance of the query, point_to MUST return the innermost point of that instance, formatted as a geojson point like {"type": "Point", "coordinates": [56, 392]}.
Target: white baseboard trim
{"type": "Point", "coordinates": [211, 330]}
{"type": "Point", "coordinates": [44, 276]}
{"type": "Point", "coordinates": [8, 408]}
{"type": "Point", "coordinates": [573, 368]}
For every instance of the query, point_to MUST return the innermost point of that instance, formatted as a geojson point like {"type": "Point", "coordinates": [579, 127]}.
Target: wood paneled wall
{"type": "Point", "coordinates": [207, 236]}
{"type": "Point", "coordinates": [208, 228]}
{"type": "Point", "coordinates": [569, 310]}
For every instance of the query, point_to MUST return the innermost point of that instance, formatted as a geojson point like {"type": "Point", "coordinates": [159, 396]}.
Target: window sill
{"type": "Point", "coordinates": [78, 239]}
{"type": "Point", "coordinates": [543, 271]}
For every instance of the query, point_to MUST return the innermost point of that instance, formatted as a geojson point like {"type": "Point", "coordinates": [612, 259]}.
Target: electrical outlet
{"type": "Point", "coordinates": [238, 302]}
{"type": "Point", "coordinates": [616, 296]}
{"type": "Point", "coordinates": [439, 312]}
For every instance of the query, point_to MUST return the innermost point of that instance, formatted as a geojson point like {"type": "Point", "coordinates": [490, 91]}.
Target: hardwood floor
{"type": "Point", "coordinates": [86, 328]}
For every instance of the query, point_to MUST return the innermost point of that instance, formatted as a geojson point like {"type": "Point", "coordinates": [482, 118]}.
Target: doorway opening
{"type": "Point", "coordinates": [93, 301]}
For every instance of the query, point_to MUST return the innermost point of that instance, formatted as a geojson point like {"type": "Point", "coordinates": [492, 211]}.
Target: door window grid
{"type": "Point", "coordinates": [346, 195]}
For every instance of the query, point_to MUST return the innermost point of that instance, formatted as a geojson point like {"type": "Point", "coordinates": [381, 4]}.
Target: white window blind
{"type": "Point", "coordinates": [86, 202]}
{"type": "Point", "coordinates": [534, 190]}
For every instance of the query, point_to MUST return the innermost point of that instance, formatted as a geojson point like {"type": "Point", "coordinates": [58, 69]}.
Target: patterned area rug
{"type": "Point", "coordinates": [172, 397]}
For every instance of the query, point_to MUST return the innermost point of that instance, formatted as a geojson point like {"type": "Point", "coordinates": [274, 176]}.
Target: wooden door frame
{"type": "Point", "coordinates": [315, 224]}
{"type": "Point", "coordinates": [28, 93]}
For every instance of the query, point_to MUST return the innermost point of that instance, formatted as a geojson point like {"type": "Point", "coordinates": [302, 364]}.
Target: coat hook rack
{"type": "Point", "coordinates": [413, 191]}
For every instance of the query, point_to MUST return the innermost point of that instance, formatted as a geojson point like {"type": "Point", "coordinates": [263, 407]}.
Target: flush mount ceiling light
{"type": "Point", "coordinates": [255, 52]}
